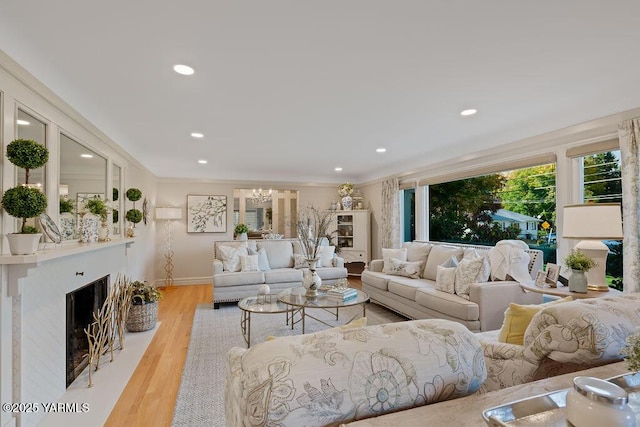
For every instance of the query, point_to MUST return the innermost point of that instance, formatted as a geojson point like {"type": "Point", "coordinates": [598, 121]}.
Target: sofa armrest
{"type": "Point", "coordinates": [376, 265]}
{"type": "Point", "coordinates": [493, 299]}
{"type": "Point", "coordinates": [337, 261]}
{"type": "Point", "coordinates": [217, 267]}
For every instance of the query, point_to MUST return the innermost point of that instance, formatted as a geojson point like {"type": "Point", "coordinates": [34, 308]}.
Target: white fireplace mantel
{"type": "Point", "coordinates": [20, 266]}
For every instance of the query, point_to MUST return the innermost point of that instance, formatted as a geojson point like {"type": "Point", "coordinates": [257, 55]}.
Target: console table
{"type": "Point", "coordinates": [467, 411]}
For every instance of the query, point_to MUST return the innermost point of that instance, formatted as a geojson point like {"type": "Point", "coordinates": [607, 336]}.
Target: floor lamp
{"type": "Point", "coordinates": [168, 214]}
{"type": "Point", "coordinates": [593, 223]}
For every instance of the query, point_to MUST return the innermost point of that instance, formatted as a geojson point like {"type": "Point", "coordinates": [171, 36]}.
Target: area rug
{"type": "Point", "coordinates": [200, 400]}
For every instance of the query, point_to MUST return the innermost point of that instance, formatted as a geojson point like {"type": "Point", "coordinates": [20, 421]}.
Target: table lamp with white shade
{"type": "Point", "coordinates": [168, 214]}
{"type": "Point", "coordinates": [593, 223]}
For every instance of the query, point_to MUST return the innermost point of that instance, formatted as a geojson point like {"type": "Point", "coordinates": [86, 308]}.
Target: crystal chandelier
{"type": "Point", "coordinates": [261, 196]}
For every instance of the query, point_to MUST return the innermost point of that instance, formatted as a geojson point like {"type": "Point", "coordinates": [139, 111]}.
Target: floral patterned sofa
{"type": "Point", "coordinates": [349, 373]}
{"type": "Point", "coordinates": [562, 338]}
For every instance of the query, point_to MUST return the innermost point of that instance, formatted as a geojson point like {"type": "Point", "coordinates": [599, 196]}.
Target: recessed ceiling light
{"type": "Point", "coordinates": [202, 162]}
{"type": "Point", "coordinates": [469, 112]}
{"type": "Point", "coordinates": [197, 135]}
{"type": "Point", "coordinates": [185, 70]}
{"type": "Point", "coordinates": [22, 122]}
{"type": "Point", "coordinates": [87, 156]}
{"type": "Point", "coordinates": [338, 169]}
{"type": "Point", "coordinates": [381, 150]}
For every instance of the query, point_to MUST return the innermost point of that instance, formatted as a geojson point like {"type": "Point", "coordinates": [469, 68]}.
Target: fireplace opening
{"type": "Point", "coordinates": [81, 305]}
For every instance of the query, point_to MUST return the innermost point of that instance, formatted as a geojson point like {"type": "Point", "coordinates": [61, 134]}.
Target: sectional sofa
{"type": "Point", "coordinates": [483, 305]}
{"type": "Point", "coordinates": [276, 267]}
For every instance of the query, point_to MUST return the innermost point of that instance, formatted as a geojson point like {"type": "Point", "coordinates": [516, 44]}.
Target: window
{"type": "Point", "coordinates": [408, 214]}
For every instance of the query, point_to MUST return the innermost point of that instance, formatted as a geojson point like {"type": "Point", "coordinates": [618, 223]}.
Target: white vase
{"type": "Point", "coordinates": [242, 236]}
{"type": "Point", "coordinates": [103, 232]}
{"type": "Point", "coordinates": [310, 279]}
{"type": "Point", "coordinates": [578, 281]}
{"type": "Point", "coordinates": [89, 228]}
{"type": "Point", "coordinates": [347, 203]}
{"type": "Point", "coordinates": [23, 244]}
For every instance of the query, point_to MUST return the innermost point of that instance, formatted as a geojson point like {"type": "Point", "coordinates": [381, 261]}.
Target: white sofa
{"type": "Point", "coordinates": [562, 338]}
{"type": "Point", "coordinates": [231, 286]}
{"type": "Point", "coordinates": [418, 298]}
{"type": "Point", "coordinates": [350, 373]}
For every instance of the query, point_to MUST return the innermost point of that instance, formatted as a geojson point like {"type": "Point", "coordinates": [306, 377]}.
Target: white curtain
{"type": "Point", "coordinates": [390, 228]}
{"type": "Point", "coordinates": [629, 134]}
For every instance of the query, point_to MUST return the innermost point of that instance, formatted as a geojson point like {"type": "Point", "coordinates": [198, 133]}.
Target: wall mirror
{"type": "Point", "coordinates": [83, 174]}
{"type": "Point", "coordinates": [30, 127]}
{"type": "Point", "coordinates": [271, 211]}
{"type": "Point", "coordinates": [116, 198]}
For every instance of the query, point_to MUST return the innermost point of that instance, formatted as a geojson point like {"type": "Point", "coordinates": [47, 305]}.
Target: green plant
{"type": "Point", "coordinates": [134, 194]}
{"type": "Point", "coordinates": [66, 205]}
{"type": "Point", "coordinates": [345, 189]}
{"type": "Point", "coordinates": [98, 206]}
{"type": "Point", "coordinates": [24, 201]}
{"type": "Point", "coordinates": [116, 216]}
{"type": "Point", "coordinates": [577, 260]}
{"type": "Point", "coordinates": [241, 228]}
{"type": "Point", "coordinates": [145, 293]}
{"type": "Point", "coordinates": [134, 215]}
{"type": "Point", "coordinates": [116, 194]}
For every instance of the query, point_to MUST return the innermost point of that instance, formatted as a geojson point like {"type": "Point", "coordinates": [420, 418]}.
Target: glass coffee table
{"type": "Point", "coordinates": [267, 305]}
{"type": "Point", "coordinates": [297, 301]}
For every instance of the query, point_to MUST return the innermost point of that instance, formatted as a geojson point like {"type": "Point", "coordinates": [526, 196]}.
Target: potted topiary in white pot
{"type": "Point", "coordinates": [134, 215]}
{"type": "Point", "coordinates": [241, 231]}
{"type": "Point", "coordinates": [25, 201]}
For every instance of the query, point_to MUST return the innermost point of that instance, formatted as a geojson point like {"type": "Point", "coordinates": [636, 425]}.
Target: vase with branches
{"type": "Point", "coordinates": [312, 225]}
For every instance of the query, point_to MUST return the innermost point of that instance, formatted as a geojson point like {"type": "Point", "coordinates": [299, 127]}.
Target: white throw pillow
{"type": "Point", "coordinates": [263, 261]}
{"type": "Point", "coordinates": [248, 262]}
{"type": "Point", "coordinates": [299, 261]}
{"type": "Point", "coordinates": [445, 279]}
{"type": "Point", "coordinates": [438, 255]}
{"type": "Point", "coordinates": [405, 268]}
{"type": "Point", "coordinates": [417, 251]}
{"type": "Point", "coordinates": [230, 256]}
{"type": "Point", "coordinates": [326, 256]}
{"type": "Point", "coordinates": [466, 274]}
{"type": "Point", "coordinates": [400, 254]}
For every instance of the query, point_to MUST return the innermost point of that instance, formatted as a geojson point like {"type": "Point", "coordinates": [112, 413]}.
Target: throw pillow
{"type": "Point", "coordinates": [517, 319]}
{"type": "Point", "coordinates": [263, 261]}
{"type": "Point", "coordinates": [417, 251]}
{"type": "Point", "coordinates": [400, 254]}
{"type": "Point", "coordinates": [438, 255]}
{"type": "Point", "coordinates": [248, 262]}
{"type": "Point", "coordinates": [466, 274]}
{"type": "Point", "coordinates": [445, 279]}
{"type": "Point", "coordinates": [326, 256]}
{"type": "Point", "coordinates": [299, 261]}
{"type": "Point", "coordinates": [230, 256]}
{"type": "Point", "coordinates": [405, 268]}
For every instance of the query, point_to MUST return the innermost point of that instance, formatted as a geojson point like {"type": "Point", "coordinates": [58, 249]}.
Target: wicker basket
{"type": "Point", "coordinates": [142, 317]}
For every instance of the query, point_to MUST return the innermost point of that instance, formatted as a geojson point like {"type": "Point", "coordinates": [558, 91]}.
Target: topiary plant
{"type": "Point", "coordinates": [134, 194]}
{"type": "Point", "coordinates": [241, 228]}
{"type": "Point", "coordinates": [24, 201]}
{"type": "Point", "coordinates": [134, 216]}
{"type": "Point", "coordinates": [66, 205]}
{"type": "Point", "coordinates": [116, 194]}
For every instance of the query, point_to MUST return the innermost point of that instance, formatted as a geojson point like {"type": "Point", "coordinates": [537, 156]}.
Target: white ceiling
{"type": "Point", "coordinates": [288, 90]}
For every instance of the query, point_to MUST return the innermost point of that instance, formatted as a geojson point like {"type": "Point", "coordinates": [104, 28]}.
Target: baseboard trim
{"type": "Point", "coordinates": [186, 281]}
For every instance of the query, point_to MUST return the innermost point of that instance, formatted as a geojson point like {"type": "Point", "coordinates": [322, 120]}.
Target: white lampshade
{"type": "Point", "coordinates": [598, 221]}
{"type": "Point", "coordinates": [168, 213]}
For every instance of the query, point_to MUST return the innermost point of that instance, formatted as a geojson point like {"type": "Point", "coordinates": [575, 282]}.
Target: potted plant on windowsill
{"type": "Point", "coordinates": [25, 201]}
{"type": "Point", "coordinates": [579, 263]}
{"type": "Point", "coordinates": [143, 312]}
{"type": "Point", "coordinates": [241, 231]}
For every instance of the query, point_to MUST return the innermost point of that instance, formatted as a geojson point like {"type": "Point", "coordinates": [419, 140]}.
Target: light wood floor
{"type": "Point", "coordinates": [150, 395]}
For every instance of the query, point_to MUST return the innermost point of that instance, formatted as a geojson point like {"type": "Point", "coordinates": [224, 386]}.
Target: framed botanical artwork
{"type": "Point", "coordinates": [541, 278]}
{"type": "Point", "coordinates": [206, 214]}
{"type": "Point", "coordinates": [553, 272]}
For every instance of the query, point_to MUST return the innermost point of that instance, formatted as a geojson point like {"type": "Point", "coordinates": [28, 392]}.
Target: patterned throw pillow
{"type": "Point", "coordinates": [445, 279]}
{"type": "Point", "coordinates": [249, 262]}
{"type": "Point", "coordinates": [405, 268]}
{"type": "Point", "coordinates": [230, 256]}
{"type": "Point", "coordinates": [400, 254]}
{"type": "Point", "coordinates": [467, 273]}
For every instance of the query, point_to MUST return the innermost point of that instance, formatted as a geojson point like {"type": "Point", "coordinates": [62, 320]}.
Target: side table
{"type": "Point", "coordinates": [563, 291]}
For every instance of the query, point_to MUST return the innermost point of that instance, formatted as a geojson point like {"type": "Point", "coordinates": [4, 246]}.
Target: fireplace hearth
{"type": "Point", "coordinates": [81, 306]}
